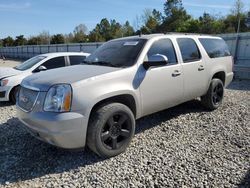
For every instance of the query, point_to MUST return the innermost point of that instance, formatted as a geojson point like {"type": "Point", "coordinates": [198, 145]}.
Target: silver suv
{"type": "Point", "coordinates": [96, 103]}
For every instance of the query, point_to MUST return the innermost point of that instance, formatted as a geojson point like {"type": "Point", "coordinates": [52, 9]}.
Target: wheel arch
{"type": "Point", "coordinates": [126, 99]}
{"type": "Point", "coordinates": [220, 75]}
{"type": "Point", "coordinates": [12, 90]}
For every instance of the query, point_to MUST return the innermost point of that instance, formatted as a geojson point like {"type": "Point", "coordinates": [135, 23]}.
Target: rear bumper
{"type": "Point", "coordinates": [4, 93]}
{"type": "Point", "coordinates": [229, 78]}
{"type": "Point", "coordinates": [65, 130]}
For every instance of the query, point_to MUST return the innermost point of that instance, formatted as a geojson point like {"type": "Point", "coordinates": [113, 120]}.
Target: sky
{"type": "Point", "coordinates": [31, 17]}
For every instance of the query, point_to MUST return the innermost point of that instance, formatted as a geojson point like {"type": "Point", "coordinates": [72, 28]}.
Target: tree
{"type": "Point", "coordinates": [115, 30]}
{"type": "Point", "coordinates": [231, 23]}
{"type": "Point", "coordinates": [20, 40]}
{"type": "Point", "coordinates": [69, 38]}
{"type": "Point", "coordinates": [127, 29]}
{"type": "Point", "coordinates": [206, 23]}
{"type": "Point", "coordinates": [192, 26]}
{"type": "Point", "coordinates": [80, 33]}
{"type": "Point", "coordinates": [237, 8]}
{"type": "Point", "coordinates": [175, 16]}
{"type": "Point", "coordinates": [236, 19]}
{"type": "Point", "coordinates": [8, 41]}
{"type": "Point", "coordinates": [44, 37]}
{"type": "Point", "coordinates": [102, 31]}
{"type": "Point", "coordinates": [81, 28]}
{"type": "Point", "coordinates": [95, 36]}
{"type": "Point", "coordinates": [57, 39]}
{"type": "Point", "coordinates": [34, 40]}
{"type": "Point", "coordinates": [151, 20]}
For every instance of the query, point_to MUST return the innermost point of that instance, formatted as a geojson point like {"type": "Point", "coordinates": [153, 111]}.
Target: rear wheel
{"type": "Point", "coordinates": [111, 128]}
{"type": "Point", "coordinates": [214, 96]}
{"type": "Point", "coordinates": [13, 94]}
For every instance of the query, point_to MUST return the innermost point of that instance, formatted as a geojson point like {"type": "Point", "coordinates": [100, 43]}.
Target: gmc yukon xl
{"type": "Point", "coordinates": [96, 103]}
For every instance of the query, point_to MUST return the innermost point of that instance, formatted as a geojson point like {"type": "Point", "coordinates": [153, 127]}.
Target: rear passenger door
{"type": "Point", "coordinates": [162, 87]}
{"type": "Point", "coordinates": [194, 69]}
{"type": "Point", "coordinates": [76, 60]}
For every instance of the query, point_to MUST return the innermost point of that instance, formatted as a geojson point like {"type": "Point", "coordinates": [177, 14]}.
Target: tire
{"type": "Point", "coordinates": [214, 96]}
{"type": "Point", "coordinates": [13, 94]}
{"type": "Point", "coordinates": [111, 129]}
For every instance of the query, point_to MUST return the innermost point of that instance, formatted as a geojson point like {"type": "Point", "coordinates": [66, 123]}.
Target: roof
{"type": "Point", "coordinates": [150, 36]}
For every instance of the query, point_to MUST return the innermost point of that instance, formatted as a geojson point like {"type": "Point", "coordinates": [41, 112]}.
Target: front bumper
{"type": "Point", "coordinates": [4, 93]}
{"type": "Point", "coordinates": [65, 130]}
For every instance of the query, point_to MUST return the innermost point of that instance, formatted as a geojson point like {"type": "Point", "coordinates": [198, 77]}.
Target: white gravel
{"type": "Point", "coordinates": [181, 147]}
{"type": "Point", "coordinates": [9, 63]}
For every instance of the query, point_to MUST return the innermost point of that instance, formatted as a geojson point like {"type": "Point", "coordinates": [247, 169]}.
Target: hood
{"type": "Point", "coordinates": [44, 80]}
{"type": "Point", "coordinates": [7, 72]}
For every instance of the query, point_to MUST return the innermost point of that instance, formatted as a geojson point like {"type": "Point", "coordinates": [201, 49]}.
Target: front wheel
{"type": "Point", "coordinates": [214, 96]}
{"type": "Point", "coordinates": [111, 129]}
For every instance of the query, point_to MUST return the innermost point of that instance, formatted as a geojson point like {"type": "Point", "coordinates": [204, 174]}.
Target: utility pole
{"type": "Point", "coordinates": [239, 6]}
{"type": "Point", "coordinates": [247, 21]}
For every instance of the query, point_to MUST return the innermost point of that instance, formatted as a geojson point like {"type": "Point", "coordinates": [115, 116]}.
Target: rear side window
{"type": "Point", "coordinates": [163, 47]}
{"type": "Point", "coordinates": [76, 60]}
{"type": "Point", "coordinates": [53, 63]}
{"type": "Point", "coordinates": [189, 50]}
{"type": "Point", "coordinates": [215, 47]}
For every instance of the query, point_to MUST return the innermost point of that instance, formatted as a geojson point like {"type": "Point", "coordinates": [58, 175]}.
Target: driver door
{"type": "Point", "coordinates": [53, 63]}
{"type": "Point", "coordinates": [162, 86]}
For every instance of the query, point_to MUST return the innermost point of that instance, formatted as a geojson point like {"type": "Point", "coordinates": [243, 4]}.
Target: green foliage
{"type": "Point", "coordinates": [57, 39]}
{"type": "Point", "coordinates": [80, 33]}
{"type": "Point", "coordinates": [107, 30]}
{"type": "Point", "coordinates": [8, 41]}
{"type": "Point", "coordinates": [231, 23]}
{"type": "Point", "coordinates": [127, 29]}
{"type": "Point", "coordinates": [20, 40]}
{"type": "Point", "coordinates": [175, 16]}
{"type": "Point", "coordinates": [34, 41]}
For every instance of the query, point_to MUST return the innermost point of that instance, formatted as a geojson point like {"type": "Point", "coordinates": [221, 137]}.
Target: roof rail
{"type": "Point", "coordinates": [180, 33]}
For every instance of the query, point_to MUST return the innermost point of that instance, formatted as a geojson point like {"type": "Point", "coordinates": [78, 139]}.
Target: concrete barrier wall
{"type": "Point", "coordinates": [240, 49]}
{"type": "Point", "coordinates": [26, 52]}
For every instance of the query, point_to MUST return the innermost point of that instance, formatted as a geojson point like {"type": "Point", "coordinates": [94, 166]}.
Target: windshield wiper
{"type": "Point", "coordinates": [101, 63]}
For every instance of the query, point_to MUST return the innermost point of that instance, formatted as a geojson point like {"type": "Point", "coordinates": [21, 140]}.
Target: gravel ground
{"type": "Point", "coordinates": [8, 63]}
{"type": "Point", "coordinates": [181, 147]}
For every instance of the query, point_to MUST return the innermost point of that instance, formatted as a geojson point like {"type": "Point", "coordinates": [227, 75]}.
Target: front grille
{"type": "Point", "coordinates": [27, 98]}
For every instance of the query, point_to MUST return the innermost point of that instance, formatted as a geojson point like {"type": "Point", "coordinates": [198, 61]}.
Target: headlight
{"type": "Point", "coordinates": [4, 82]}
{"type": "Point", "coordinates": [58, 98]}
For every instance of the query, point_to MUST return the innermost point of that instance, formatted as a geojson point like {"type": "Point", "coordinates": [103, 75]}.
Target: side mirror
{"type": "Point", "coordinates": [155, 60]}
{"type": "Point", "coordinates": [40, 68]}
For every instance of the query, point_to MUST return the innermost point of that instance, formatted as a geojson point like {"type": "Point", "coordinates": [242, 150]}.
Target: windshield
{"type": "Point", "coordinates": [30, 63]}
{"type": "Point", "coordinates": [120, 53]}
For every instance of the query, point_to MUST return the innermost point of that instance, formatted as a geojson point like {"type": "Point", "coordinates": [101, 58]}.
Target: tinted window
{"type": "Point", "coordinates": [53, 63]}
{"type": "Point", "coordinates": [215, 47]}
{"type": "Point", "coordinates": [189, 50]}
{"type": "Point", "coordinates": [30, 63]}
{"type": "Point", "coordinates": [76, 60]}
{"type": "Point", "coordinates": [163, 47]}
{"type": "Point", "coordinates": [117, 53]}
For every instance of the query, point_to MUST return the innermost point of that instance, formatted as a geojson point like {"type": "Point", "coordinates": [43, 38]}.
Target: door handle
{"type": "Point", "coordinates": [176, 73]}
{"type": "Point", "coordinates": [201, 68]}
